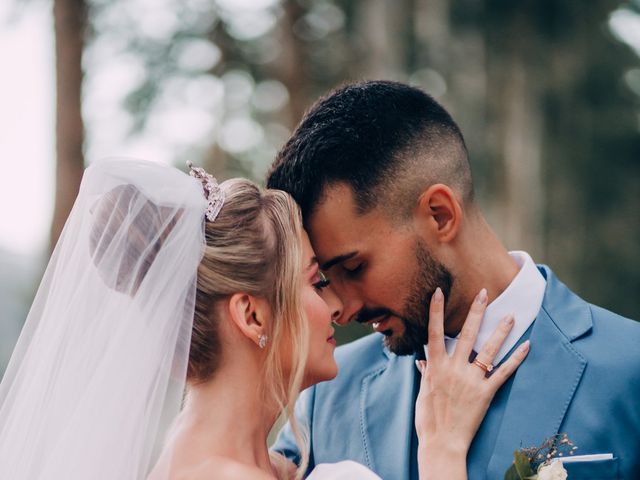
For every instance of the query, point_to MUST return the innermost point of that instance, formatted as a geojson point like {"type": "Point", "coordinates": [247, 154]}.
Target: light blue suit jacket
{"type": "Point", "coordinates": [582, 377]}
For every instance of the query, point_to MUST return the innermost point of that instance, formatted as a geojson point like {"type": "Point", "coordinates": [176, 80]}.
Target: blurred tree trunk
{"type": "Point", "coordinates": [290, 67]}
{"type": "Point", "coordinates": [382, 53]}
{"type": "Point", "coordinates": [70, 19]}
{"type": "Point", "coordinates": [515, 89]}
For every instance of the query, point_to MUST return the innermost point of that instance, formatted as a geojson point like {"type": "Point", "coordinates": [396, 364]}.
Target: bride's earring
{"type": "Point", "coordinates": [262, 341]}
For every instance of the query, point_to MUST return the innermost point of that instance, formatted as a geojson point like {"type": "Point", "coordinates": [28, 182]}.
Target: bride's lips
{"type": "Point", "coordinates": [331, 338]}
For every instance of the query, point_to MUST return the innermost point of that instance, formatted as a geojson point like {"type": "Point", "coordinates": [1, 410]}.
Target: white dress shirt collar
{"type": "Point", "coordinates": [522, 298]}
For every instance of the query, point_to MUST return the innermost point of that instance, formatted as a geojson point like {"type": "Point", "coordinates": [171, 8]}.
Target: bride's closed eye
{"type": "Point", "coordinates": [323, 281]}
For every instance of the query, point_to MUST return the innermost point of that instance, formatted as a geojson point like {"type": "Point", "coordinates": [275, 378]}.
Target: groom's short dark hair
{"type": "Point", "coordinates": [386, 140]}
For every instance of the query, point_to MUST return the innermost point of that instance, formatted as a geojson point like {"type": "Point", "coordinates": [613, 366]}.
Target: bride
{"type": "Point", "coordinates": [177, 309]}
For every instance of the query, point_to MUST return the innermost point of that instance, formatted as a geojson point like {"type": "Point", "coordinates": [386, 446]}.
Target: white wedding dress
{"type": "Point", "coordinates": [346, 470]}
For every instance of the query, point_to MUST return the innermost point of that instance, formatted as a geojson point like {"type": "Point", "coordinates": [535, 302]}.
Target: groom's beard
{"type": "Point", "coordinates": [430, 274]}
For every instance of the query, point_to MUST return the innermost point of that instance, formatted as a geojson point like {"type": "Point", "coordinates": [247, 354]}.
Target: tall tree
{"type": "Point", "coordinates": [70, 20]}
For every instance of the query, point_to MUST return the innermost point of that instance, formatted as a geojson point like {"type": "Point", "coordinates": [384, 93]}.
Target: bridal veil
{"type": "Point", "coordinates": [99, 369]}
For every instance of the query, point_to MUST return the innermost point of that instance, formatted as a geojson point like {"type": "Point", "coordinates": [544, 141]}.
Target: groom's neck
{"type": "Point", "coordinates": [481, 261]}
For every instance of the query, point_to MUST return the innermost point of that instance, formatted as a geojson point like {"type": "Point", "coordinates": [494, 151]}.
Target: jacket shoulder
{"type": "Point", "coordinates": [616, 335]}
{"type": "Point", "coordinates": [592, 327]}
{"type": "Point", "coordinates": [622, 325]}
{"type": "Point", "coordinates": [355, 361]}
{"type": "Point", "coordinates": [365, 350]}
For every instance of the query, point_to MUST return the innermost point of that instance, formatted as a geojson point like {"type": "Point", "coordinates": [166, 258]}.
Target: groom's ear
{"type": "Point", "coordinates": [439, 214]}
{"type": "Point", "coordinates": [250, 315]}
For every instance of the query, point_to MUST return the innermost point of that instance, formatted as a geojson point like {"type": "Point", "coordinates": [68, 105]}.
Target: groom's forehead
{"type": "Point", "coordinates": [332, 222]}
{"type": "Point", "coordinates": [336, 227]}
{"type": "Point", "coordinates": [335, 214]}
{"type": "Point", "coordinates": [336, 196]}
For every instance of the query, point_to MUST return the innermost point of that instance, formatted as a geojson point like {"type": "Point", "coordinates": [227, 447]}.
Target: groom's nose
{"type": "Point", "coordinates": [350, 301]}
{"type": "Point", "coordinates": [350, 309]}
{"type": "Point", "coordinates": [335, 304]}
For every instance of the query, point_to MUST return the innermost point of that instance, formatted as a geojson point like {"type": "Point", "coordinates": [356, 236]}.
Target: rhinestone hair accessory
{"type": "Point", "coordinates": [212, 190]}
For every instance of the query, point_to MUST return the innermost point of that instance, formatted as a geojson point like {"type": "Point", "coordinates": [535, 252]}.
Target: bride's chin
{"type": "Point", "coordinates": [325, 373]}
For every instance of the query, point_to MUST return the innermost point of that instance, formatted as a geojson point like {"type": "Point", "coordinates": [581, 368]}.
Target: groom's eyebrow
{"type": "Point", "coordinates": [336, 260]}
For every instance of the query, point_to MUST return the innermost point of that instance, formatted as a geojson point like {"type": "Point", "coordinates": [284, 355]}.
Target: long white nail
{"type": "Point", "coordinates": [482, 296]}
{"type": "Point", "coordinates": [438, 296]}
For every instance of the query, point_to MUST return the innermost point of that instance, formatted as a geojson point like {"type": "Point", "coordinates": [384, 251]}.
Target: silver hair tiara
{"type": "Point", "coordinates": [212, 191]}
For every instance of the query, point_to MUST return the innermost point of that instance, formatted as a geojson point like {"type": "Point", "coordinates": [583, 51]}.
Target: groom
{"type": "Point", "coordinates": [382, 176]}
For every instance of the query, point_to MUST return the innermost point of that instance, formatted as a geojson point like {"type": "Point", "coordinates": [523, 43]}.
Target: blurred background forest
{"type": "Point", "coordinates": [546, 92]}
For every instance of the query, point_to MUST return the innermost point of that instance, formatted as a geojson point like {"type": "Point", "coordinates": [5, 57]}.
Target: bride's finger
{"type": "Point", "coordinates": [490, 349]}
{"type": "Point", "coordinates": [492, 346]}
{"type": "Point", "coordinates": [510, 365]}
{"type": "Point", "coordinates": [469, 331]}
{"type": "Point", "coordinates": [436, 327]}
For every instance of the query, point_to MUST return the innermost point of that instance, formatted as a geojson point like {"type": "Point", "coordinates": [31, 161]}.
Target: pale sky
{"type": "Point", "coordinates": [27, 124]}
{"type": "Point", "coordinates": [26, 130]}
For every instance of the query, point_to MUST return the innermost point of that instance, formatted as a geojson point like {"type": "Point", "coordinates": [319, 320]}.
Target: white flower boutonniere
{"type": "Point", "coordinates": [543, 462]}
{"type": "Point", "coordinates": [552, 471]}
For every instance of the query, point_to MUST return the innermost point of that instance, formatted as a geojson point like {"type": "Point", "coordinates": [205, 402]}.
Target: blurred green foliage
{"type": "Point", "coordinates": [546, 92]}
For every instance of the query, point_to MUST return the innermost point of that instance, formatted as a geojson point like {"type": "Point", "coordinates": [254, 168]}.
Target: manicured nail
{"type": "Point", "coordinates": [508, 321]}
{"type": "Point", "coordinates": [418, 366]}
{"type": "Point", "coordinates": [525, 346]}
{"type": "Point", "coordinates": [438, 296]}
{"type": "Point", "coordinates": [482, 297]}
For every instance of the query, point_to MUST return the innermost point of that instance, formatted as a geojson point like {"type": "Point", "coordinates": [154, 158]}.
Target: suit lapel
{"type": "Point", "coordinates": [546, 382]}
{"type": "Point", "coordinates": [386, 417]}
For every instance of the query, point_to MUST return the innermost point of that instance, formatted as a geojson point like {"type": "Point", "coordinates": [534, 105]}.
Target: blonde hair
{"type": "Point", "coordinates": [255, 246]}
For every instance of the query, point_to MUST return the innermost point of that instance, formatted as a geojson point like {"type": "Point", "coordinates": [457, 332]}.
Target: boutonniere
{"type": "Point", "coordinates": [541, 463]}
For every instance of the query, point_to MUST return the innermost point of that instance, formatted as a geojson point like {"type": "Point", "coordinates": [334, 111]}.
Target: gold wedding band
{"type": "Point", "coordinates": [483, 366]}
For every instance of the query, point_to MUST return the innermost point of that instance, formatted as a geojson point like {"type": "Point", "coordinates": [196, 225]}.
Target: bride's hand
{"type": "Point", "coordinates": [454, 393]}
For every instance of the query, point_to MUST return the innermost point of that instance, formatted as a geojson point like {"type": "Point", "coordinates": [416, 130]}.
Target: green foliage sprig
{"type": "Point", "coordinates": [528, 461]}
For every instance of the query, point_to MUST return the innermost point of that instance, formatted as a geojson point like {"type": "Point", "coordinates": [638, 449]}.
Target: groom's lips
{"type": "Point", "coordinates": [381, 325]}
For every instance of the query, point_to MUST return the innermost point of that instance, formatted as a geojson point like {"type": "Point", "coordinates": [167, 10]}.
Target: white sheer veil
{"type": "Point", "coordinates": [99, 369]}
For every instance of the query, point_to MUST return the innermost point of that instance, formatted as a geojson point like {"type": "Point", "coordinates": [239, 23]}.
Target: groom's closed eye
{"type": "Point", "coordinates": [337, 260]}
{"type": "Point", "coordinates": [353, 271]}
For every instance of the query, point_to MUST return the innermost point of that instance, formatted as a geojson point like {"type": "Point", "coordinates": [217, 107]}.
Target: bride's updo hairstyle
{"type": "Point", "coordinates": [254, 246]}
{"type": "Point", "coordinates": [142, 236]}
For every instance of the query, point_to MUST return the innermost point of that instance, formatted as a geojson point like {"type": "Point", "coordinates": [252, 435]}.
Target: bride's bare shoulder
{"type": "Point", "coordinates": [222, 468]}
